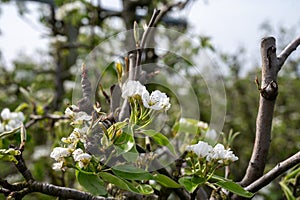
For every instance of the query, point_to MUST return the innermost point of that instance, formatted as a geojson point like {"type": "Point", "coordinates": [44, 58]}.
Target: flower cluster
{"type": "Point", "coordinates": [10, 120]}
{"type": "Point", "coordinates": [156, 100]}
{"type": "Point", "coordinates": [213, 154]}
{"type": "Point", "coordinates": [81, 121]}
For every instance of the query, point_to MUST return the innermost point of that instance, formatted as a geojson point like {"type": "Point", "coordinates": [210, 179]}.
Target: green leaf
{"type": "Point", "coordinates": [91, 182]}
{"type": "Point", "coordinates": [287, 192]}
{"type": "Point", "coordinates": [234, 188]}
{"type": "Point", "coordinates": [21, 107]}
{"type": "Point", "coordinates": [126, 141]}
{"type": "Point", "coordinates": [145, 189]}
{"type": "Point", "coordinates": [131, 172]}
{"type": "Point", "coordinates": [160, 139]}
{"type": "Point", "coordinates": [191, 183]}
{"type": "Point", "coordinates": [132, 155]}
{"type": "Point", "coordinates": [9, 155]}
{"type": "Point", "coordinates": [166, 181]}
{"type": "Point", "coordinates": [122, 184]}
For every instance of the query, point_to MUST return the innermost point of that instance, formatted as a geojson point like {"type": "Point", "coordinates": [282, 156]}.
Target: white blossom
{"type": "Point", "coordinates": [221, 154]}
{"type": "Point", "coordinates": [211, 134]}
{"type": "Point", "coordinates": [59, 152]}
{"type": "Point", "coordinates": [5, 114]}
{"type": "Point", "coordinates": [202, 149]}
{"type": "Point", "coordinates": [83, 159]}
{"type": "Point", "coordinates": [202, 125]}
{"type": "Point", "coordinates": [69, 112]}
{"type": "Point", "coordinates": [76, 153]}
{"type": "Point", "coordinates": [58, 166]}
{"type": "Point", "coordinates": [133, 88]}
{"type": "Point", "coordinates": [12, 120]}
{"type": "Point", "coordinates": [156, 101]}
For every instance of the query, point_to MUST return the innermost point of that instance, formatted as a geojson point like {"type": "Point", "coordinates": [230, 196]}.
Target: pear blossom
{"type": "Point", "coordinates": [5, 114]}
{"type": "Point", "coordinates": [221, 154]}
{"type": "Point", "coordinates": [211, 134]}
{"type": "Point", "coordinates": [59, 153]}
{"type": "Point", "coordinates": [202, 149]}
{"type": "Point", "coordinates": [133, 88]}
{"type": "Point", "coordinates": [58, 166]}
{"type": "Point", "coordinates": [217, 153]}
{"type": "Point", "coordinates": [156, 101]}
{"type": "Point", "coordinates": [70, 111]}
{"type": "Point", "coordinates": [83, 159]}
{"type": "Point", "coordinates": [11, 120]}
{"type": "Point", "coordinates": [202, 125]}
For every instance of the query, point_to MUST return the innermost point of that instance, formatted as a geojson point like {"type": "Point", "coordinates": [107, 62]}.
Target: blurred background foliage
{"type": "Point", "coordinates": [75, 31]}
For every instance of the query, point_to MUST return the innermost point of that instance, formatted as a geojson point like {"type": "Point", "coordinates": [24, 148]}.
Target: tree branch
{"type": "Point", "coordinates": [274, 173]}
{"type": "Point", "coordinates": [36, 118]}
{"type": "Point", "coordinates": [268, 94]}
{"type": "Point", "coordinates": [287, 51]}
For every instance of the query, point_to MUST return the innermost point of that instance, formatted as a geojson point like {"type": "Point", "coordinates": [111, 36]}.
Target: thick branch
{"type": "Point", "coordinates": [274, 173]}
{"type": "Point", "coordinates": [287, 51]}
{"type": "Point", "coordinates": [265, 113]}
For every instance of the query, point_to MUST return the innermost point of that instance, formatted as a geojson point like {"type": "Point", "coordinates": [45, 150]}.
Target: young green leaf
{"type": "Point", "coordinates": [131, 173]}
{"type": "Point", "coordinates": [191, 183]}
{"type": "Point", "coordinates": [91, 182]}
{"type": "Point", "coordinates": [166, 181]}
{"type": "Point", "coordinates": [287, 192]}
{"type": "Point", "coordinates": [234, 188]}
{"type": "Point", "coordinates": [122, 184]}
{"type": "Point", "coordinates": [145, 189]}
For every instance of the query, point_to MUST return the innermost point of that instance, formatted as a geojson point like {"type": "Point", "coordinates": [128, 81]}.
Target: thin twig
{"type": "Point", "coordinates": [36, 118]}
{"type": "Point", "coordinates": [287, 51]}
{"type": "Point", "coordinates": [274, 173]}
{"type": "Point", "coordinates": [144, 39]}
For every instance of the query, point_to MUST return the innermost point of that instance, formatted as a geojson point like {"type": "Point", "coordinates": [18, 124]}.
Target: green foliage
{"type": "Point", "coordinates": [131, 173]}
{"type": "Point", "coordinates": [91, 182]}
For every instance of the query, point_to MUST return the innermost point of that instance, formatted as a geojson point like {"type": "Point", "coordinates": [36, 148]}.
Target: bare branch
{"type": "Point", "coordinates": [274, 173]}
{"type": "Point", "coordinates": [287, 51]}
{"type": "Point", "coordinates": [268, 96]}
{"type": "Point", "coordinates": [36, 118]}
{"type": "Point", "coordinates": [145, 36]}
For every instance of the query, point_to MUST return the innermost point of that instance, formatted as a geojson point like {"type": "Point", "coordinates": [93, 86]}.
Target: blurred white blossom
{"type": "Point", "coordinates": [58, 166]}
{"type": "Point", "coordinates": [202, 125]}
{"type": "Point", "coordinates": [64, 10]}
{"type": "Point", "coordinates": [11, 120]}
{"type": "Point", "coordinates": [211, 134]}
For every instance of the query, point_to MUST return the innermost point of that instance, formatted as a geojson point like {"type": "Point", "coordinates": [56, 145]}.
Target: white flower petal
{"type": "Point", "coordinates": [5, 114]}
{"type": "Point", "coordinates": [59, 152]}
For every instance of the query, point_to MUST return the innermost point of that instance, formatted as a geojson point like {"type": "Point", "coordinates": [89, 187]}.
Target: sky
{"type": "Point", "coordinates": [230, 23]}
